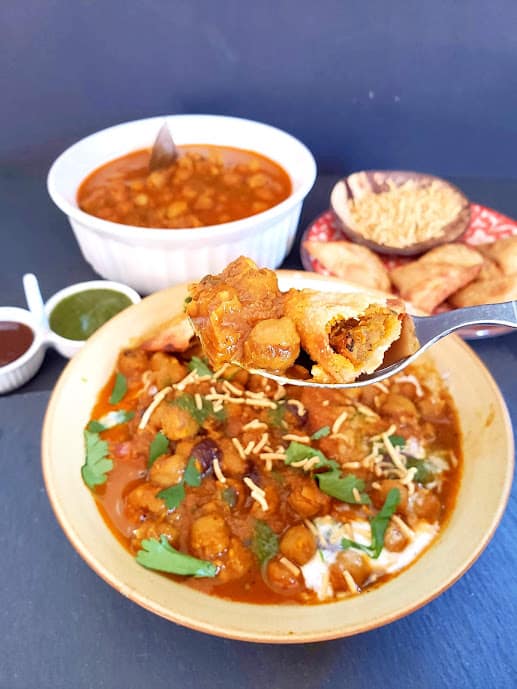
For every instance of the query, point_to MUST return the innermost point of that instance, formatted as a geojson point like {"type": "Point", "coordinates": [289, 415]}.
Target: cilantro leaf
{"type": "Point", "coordinates": [187, 402]}
{"type": "Point", "coordinates": [378, 526]}
{"type": "Point", "coordinates": [397, 440]}
{"type": "Point", "coordinates": [192, 475]}
{"type": "Point", "coordinates": [275, 417]}
{"type": "Point", "coordinates": [321, 433]}
{"type": "Point", "coordinates": [424, 470]}
{"type": "Point", "coordinates": [110, 420]}
{"type": "Point", "coordinates": [96, 464]}
{"type": "Point", "coordinates": [297, 452]}
{"type": "Point", "coordinates": [342, 487]}
{"type": "Point", "coordinates": [199, 366]}
{"type": "Point", "coordinates": [160, 555]}
{"type": "Point", "coordinates": [264, 542]}
{"type": "Point", "coordinates": [172, 496]}
{"type": "Point", "coordinates": [119, 389]}
{"type": "Point", "coordinates": [159, 446]}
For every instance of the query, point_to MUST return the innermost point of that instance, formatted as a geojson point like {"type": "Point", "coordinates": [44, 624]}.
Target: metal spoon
{"type": "Point", "coordinates": [428, 330]}
{"type": "Point", "coordinates": [164, 151]}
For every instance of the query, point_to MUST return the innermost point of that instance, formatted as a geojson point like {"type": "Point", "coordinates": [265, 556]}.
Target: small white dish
{"type": "Point", "coordinates": [65, 346]}
{"type": "Point", "coordinates": [18, 372]}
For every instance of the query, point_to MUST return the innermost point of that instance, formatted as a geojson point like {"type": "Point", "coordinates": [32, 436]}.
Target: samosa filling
{"type": "Point", "coordinates": [356, 338]}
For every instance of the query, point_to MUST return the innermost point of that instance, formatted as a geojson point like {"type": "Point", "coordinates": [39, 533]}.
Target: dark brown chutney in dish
{"type": "Point", "coordinates": [15, 340]}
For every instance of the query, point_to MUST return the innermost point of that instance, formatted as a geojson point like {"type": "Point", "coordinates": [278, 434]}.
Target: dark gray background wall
{"type": "Point", "coordinates": [419, 84]}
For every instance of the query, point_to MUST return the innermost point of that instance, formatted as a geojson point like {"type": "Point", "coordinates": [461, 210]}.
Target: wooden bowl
{"type": "Point", "coordinates": [359, 183]}
{"type": "Point", "coordinates": [481, 498]}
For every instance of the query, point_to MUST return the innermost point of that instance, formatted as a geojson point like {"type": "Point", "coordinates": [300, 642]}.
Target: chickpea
{"type": "Point", "coordinates": [426, 506]}
{"type": "Point", "coordinates": [353, 562]}
{"type": "Point", "coordinates": [237, 563]}
{"type": "Point", "coordinates": [176, 423]}
{"type": "Point", "coordinates": [142, 501]}
{"type": "Point", "coordinates": [398, 406]}
{"type": "Point", "coordinates": [168, 470]}
{"type": "Point", "coordinates": [232, 463]}
{"type": "Point", "coordinates": [281, 578]}
{"type": "Point", "coordinates": [395, 540]}
{"type": "Point", "coordinates": [379, 495]}
{"type": "Point", "coordinates": [306, 499]}
{"type": "Point", "coordinates": [141, 200]}
{"type": "Point", "coordinates": [156, 179]}
{"type": "Point", "coordinates": [167, 369]}
{"type": "Point", "coordinates": [259, 179]}
{"type": "Point", "coordinates": [298, 544]}
{"type": "Point", "coordinates": [203, 203]}
{"type": "Point", "coordinates": [176, 208]}
{"type": "Point", "coordinates": [209, 536]}
{"type": "Point", "coordinates": [132, 363]}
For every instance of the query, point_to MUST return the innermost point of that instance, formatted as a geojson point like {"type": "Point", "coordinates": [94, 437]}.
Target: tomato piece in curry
{"type": "Point", "coordinates": [206, 185]}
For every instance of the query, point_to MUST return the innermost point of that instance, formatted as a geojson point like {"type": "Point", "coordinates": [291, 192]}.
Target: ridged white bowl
{"type": "Point", "coordinates": [151, 259]}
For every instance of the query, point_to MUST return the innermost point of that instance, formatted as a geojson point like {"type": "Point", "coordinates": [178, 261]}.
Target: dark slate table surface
{"type": "Point", "coordinates": [61, 626]}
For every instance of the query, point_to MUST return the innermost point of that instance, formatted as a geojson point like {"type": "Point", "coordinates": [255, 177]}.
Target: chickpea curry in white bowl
{"type": "Point", "coordinates": [269, 499]}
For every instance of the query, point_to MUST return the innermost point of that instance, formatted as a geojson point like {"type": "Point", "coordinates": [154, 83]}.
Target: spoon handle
{"type": "Point", "coordinates": [33, 297]}
{"type": "Point", "coordinates": [429, 330]}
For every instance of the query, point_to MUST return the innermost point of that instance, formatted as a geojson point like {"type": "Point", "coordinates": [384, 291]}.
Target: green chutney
{"type": "Point", "coordinates": [78, 316]}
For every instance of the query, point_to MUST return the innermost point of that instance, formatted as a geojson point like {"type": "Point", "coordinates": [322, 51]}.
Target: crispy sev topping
{"type": "Point", "coordinates": [290, 566]}
{"type": "Point", "coordinates": [413, 380]}
{"type": "Point", "coordinates": [297, 438]}
{"type": "Point", "coordinates": [254, 424]}
{"type": "Point", "coordinates": [198, 401]}
{"type": "Point", "coordinates": [350, 582]}
{"type": "Point", "coordinates": [339, 421]}
{"type": "Point", "coordinates": [261, 443]}
{"type": "Point", "coordinates": [218, 471]}
{"type": "Point", "coordinates": [238, 446]}
{"type": "Point", "coordinates": [363, 409]}
{"type": "Point", "coordinates": [296, 403]}
{"type": "Point", "coordinates": [406, 530]}
{"type": "Point", "coordinates": [157, 400]}
{"type": "Point", "coordinates": [253, 486]}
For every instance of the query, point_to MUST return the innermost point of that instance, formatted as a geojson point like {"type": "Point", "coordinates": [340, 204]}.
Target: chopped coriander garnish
{"type": "Point", "coordinates": [275, 417]}
{"type": "Point", "coordinates": [297, 452]}
{"type": "Point", "coordinates": [192, 475]}
{"type": "Point", "coordinates": [110, 420]}
{"type": "Point", "coordinates": [331, 482]}
{"type": "Point", "coordinates": [264, 542]}
{"type": "Point", "coordinates": [321, 433]}
{"type": "Point", "coordinates": [424, 469]}
{"type": "Point", "coordinates": [397, 440]}
{"type": "Point", "coordinates": [174, 495]}
{"type": "Point", "coordinates": [342, 487]}
{"type": "Point", "coordinates": [159, 447]}
{"type": "Point", "coordinates": [187, 403]}
{"type": "Point", "coordinates": [96, 464]}
{"type": "Point", "coordinates": [378, 526]}
{"type": "Point", "coordinates": [119, 389]}
{"type": "Point", "coordinates": [200, 366]}
{"type": "Point", "coordinates": [160, 555]}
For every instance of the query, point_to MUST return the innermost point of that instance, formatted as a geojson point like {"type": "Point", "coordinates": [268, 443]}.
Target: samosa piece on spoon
{"type": "Point", "coordinates": [242, 317]}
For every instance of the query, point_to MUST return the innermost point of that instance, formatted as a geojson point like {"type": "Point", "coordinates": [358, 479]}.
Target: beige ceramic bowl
{"type": "Point", "coordinates": [488, 449]}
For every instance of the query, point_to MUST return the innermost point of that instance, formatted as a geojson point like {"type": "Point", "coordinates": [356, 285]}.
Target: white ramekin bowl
{"type": "Point", "coordinates": [19, 371]}
{"type": "Point", "coordinates": [151, 259]}
{"type": "Point", "coordinates": [64, 345]}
